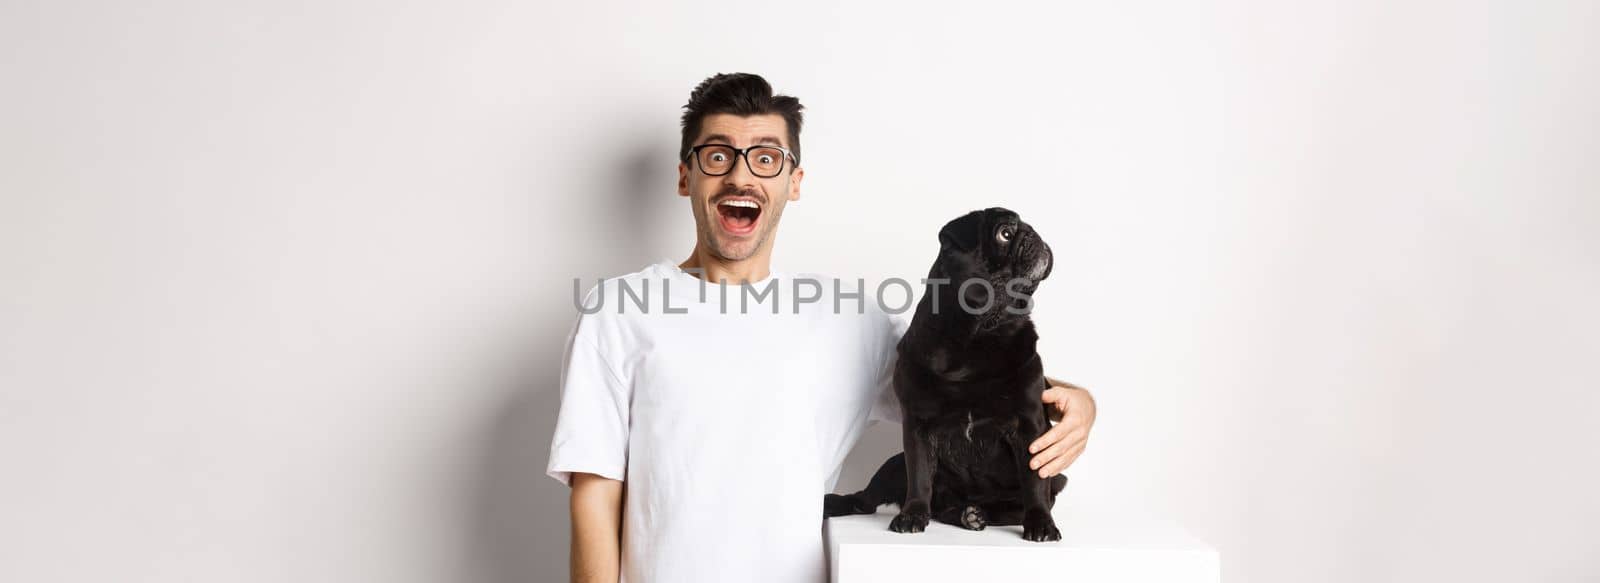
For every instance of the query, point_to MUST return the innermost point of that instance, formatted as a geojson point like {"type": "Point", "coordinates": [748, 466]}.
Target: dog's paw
{"type": "Point", "coordinates": [973, 518]}
{"type": "Point", "coordinates": [1038, 526]}
{"type": "Point", "coordinates": [844, 505]}
{"type": "Point", "coordinates": [909, 522]}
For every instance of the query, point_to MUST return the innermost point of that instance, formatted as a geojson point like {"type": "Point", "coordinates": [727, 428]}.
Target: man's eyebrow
{"type": "Point", "coordinates": [723, 139]}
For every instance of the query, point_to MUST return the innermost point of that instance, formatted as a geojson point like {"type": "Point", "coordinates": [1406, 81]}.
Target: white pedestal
{"type": "Point", "coordinates": [1095, 546]}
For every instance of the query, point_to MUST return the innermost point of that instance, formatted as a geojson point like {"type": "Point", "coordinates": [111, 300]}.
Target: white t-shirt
{"type": "Point", "coordinates": [726, 422]}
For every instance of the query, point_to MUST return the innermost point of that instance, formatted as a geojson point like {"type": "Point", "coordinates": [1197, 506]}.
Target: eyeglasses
{"type": "Point", "coordinates": [718, 159]}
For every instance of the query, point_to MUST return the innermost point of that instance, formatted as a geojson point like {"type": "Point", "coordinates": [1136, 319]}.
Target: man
{"type": "Point", "coordinates": [702, 418]}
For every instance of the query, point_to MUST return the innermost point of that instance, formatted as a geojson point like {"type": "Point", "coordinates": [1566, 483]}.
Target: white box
{"type": "Point", "coordinates": [1095, 546]}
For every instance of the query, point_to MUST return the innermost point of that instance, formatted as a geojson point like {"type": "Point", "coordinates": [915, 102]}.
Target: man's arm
{"type": "Point", "coordinates": [596, 529]}
{"type": "Point", "coordinates": [1073, 410]}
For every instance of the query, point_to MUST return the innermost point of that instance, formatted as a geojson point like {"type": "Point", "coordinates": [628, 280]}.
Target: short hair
{"type": "Point", "coordinates": [741, 94]}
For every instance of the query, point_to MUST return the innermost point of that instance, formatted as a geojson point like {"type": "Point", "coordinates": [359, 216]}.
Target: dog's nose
{"type": "Point", "coordinates": [1043, 262]}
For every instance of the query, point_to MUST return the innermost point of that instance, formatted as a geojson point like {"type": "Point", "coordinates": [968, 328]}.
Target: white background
{"type": "Point", "coordinates": [285, 283]}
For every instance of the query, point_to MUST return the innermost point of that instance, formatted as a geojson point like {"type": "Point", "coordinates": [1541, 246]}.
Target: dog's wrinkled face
{"type": "Point", "coordinates": [995, 245]}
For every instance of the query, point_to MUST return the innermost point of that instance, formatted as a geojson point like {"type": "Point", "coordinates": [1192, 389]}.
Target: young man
{"type": "Point", "coordinates": [707, 405]}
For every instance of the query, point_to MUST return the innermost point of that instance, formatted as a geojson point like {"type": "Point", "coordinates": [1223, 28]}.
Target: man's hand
{"type": "Point", "coordinates": [1072, 408]}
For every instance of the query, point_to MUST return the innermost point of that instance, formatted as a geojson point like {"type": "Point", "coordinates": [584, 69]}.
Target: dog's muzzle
{"type": "Point", "coordinates": [1042, 262]}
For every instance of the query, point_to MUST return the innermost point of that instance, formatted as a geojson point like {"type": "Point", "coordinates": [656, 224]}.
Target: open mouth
{"type": "Point", "coordinates": [738, 216]}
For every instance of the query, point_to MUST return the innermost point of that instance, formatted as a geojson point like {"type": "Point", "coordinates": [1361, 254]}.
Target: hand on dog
{"type": "Point", "coordinates": [1073, 409]}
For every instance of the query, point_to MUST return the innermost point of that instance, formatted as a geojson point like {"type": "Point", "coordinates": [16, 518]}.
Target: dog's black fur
{"type": "Point", "coordinates": [970, 388]}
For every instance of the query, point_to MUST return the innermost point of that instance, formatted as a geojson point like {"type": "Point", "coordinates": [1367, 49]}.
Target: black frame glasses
{"type": "Point", "coordinates": [783, 162]}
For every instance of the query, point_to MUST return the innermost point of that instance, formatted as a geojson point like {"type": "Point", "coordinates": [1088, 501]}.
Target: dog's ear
{"type": "Point", "coordinates": [963, 232]}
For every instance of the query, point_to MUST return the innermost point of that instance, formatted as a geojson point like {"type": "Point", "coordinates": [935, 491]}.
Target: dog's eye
{"type": "Point", "coordinates": [1005, 234]}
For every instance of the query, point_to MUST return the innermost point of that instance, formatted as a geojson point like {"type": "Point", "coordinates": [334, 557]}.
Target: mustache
{"type": "Point", "coordinates": [735, 192]}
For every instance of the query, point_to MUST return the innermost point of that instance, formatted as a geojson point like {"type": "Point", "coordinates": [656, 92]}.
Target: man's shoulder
{"type": "Point", "coordinates": [832, 285]}
{"type": "Point", "coordinates": [875, 304]}
{"type": "Point", "coordinates": [634, 279]}
{"type": "Point", "coordinates": [597, 299]}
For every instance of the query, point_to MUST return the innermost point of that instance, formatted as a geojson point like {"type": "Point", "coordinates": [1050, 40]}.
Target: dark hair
{"type": "Point", "coordinates": [741, 94]}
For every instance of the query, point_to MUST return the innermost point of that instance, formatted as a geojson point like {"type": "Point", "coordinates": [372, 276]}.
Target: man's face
{"type": "Point", "coordinates": [728, 227]}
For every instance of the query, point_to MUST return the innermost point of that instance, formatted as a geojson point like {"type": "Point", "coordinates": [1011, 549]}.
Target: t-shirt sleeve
{"type": "Point", "coordinates": [886, 407]}
{"type": "Point", "coordinates": [591, 433]}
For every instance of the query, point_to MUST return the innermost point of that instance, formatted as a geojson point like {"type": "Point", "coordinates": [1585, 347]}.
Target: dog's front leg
{"type": "Point", "coordinates": [920, 464]}
{"type": "Point", "coordinates": [1037, 524]}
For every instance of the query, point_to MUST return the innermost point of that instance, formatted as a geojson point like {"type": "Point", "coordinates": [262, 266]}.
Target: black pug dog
{"type": "Point", "coordinates": [970, 386]}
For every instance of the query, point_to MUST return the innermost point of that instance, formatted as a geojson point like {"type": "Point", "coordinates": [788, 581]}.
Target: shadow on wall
{"type": "Point", "coordinates": [517, 516]}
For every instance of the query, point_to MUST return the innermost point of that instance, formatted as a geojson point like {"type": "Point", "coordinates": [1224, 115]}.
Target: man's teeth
{"type": "Point", "coordinates": [741, 203]}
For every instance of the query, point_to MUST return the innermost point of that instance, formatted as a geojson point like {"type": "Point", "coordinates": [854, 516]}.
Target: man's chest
{"type": "Point", "coordinates": [775, 372]}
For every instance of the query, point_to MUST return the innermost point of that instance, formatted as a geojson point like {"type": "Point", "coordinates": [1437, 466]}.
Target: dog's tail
{"type": "Point", "coordinates": [888, 486]}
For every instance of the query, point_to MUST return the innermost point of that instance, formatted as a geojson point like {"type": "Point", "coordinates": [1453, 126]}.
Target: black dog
{"type": "Point", "coordinates": [970, 385]}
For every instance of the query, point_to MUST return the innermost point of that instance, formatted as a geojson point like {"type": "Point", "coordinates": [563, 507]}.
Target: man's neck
{"type": "Point", "coordinates": [718, 270]}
